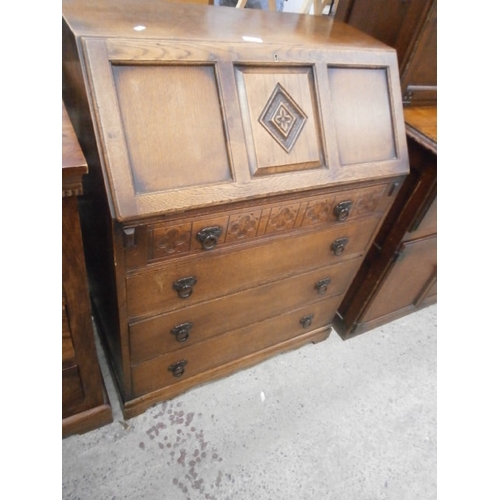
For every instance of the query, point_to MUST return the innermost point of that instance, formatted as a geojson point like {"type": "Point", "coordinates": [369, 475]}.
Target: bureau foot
{"type": "Point", "coordinates": [322, 335]}
{"type": "Point", "coordinates": [139, 405]}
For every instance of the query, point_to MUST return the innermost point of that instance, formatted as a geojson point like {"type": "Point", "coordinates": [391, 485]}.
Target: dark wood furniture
{"type": "Point", "coordinates": [419, 72]}
{"type": "Point", "coordinates": [411, 28]}
{"type": "Point", "coordinates": [398, 23]}
{"type": "Point", "coordinates": [399, 274]}
{"type": "Point", "coordinates": [84, 400]}
{"type": "Point", "coordinates": [240, 165]}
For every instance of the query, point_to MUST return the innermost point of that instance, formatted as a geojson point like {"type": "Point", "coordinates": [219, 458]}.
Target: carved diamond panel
{"type": "Point", "coordinates": [283, 118]}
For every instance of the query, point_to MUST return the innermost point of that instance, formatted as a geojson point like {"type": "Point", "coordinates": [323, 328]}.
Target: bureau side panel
{"type": "Point", "coordinates": [95, 211]}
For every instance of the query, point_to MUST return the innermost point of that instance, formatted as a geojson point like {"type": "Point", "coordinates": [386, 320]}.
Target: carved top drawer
{"type": "Point", "coordinates": [146, 245]}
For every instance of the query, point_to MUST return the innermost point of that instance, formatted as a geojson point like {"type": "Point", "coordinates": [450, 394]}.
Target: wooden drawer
{"type": "Point", "coordinates": [221, 273]}
{"type": "Point", "coordinates": [158, 335]}
{"type": "Point", "coordinates": [145, 245]}
{"type": "Point", "coordinates": [203, 356]}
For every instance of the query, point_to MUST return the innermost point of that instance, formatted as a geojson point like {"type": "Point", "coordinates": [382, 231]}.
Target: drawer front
{"type": "Point", "coordinates": [179, 329]}
{"type": "Point", "coordinates": [221, 273]}
{"type": "Point", "coordinates": [203, 356]}
{"type": "Point", "coordinates": [197, 235]}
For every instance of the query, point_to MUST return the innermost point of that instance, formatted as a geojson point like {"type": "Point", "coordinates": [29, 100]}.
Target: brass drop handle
{"type": "Point", "coordinates": [177, 369]}
{"type": "Point", "coordinates": [184, 286]}
{"type": "Point", "coordinates": [338, 246]}
{"type": "Point", "coordinates": [209, 236]}
{"type": "Point", "coordinates": [306, 321]}
{"type": "Point", "coordinates": [342, 210]}
{"type": "Point", "coordinates": [181, 332]}
{"type": "Point", "coordinates": [321, 286]}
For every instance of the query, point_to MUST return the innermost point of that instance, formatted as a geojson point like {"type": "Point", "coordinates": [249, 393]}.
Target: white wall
{"type": "Point", "coordinates": [292, 5]}
{"type": "Point", "coordinates": [295, 5]}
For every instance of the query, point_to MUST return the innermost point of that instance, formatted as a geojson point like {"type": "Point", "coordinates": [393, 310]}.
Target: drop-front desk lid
{"type": "Point", "coordinates": [200, 105]}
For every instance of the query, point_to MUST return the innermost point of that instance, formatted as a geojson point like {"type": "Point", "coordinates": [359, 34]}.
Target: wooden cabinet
{"type": "Point", "coordinates": [411, 28]}
{"type": "Point", "coordinates": [399, 275]}
{"type": "Point", "coordinates": [240, 164]}
{"type": "Point", "coordinates": [419, 73]}
{"type": "Point", "coordinates": [84, 401]}
{"type": "Point", "coordinates": [397, 23]}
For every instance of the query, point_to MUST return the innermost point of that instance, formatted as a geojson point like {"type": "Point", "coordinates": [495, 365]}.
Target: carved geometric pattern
{"type": "Point", "coordinates": [318, 212]}
{"type": "Point", "coordinates": [283, 118]}
{"type": "Point", "coordinates": [282, 218]}
{"type": "Point", "coordinates": [243, 226]}
{"type": "Point", "coordinates": [167, 241]}
{"type": "Point", "coordinates": [170, 241]}
{"type": "Point", "coordinates": [367, 202]}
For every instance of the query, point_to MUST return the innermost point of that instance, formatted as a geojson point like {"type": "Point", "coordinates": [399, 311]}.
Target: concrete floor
{"type": "Point", "coordinates": [352, 420]}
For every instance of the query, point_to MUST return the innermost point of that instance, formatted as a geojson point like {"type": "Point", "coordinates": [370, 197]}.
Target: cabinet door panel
{"type": "Point", "coordinates": [408, 280]}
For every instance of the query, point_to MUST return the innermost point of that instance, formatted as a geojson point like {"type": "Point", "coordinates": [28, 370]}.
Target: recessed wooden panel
{"type": "Point", "coordinates": [428, 224]}
{"type": "Point", "coordinates": [280, 119]}
{"type": "Point", "coordinates": [72, 390]}
{"type": "Point", "coordinates": [362, 114]}
{"type": "Point", "coordinates": [412, 278]}
{"type": "Point", "coordinates": [68, 349]}
{"type": "Point", "coordinates": [173, 126]}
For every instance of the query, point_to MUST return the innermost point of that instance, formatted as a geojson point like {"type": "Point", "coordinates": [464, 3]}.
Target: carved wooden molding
{"type": "Point", "coordinates": [283, 118]}
{"type": "Point", "coordinates": [166, 241]}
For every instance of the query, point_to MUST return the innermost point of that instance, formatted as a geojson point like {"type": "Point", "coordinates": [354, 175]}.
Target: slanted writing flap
{"type": "Point", "coordinates": [185, 124]}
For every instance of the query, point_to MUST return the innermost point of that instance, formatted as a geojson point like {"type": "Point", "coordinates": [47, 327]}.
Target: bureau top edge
{"type": "Point", "coordinates": [193, 22]}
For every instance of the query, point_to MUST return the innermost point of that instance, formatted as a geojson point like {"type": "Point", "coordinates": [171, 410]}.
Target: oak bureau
{"type": "Point", "coordinates": [240, 164]}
